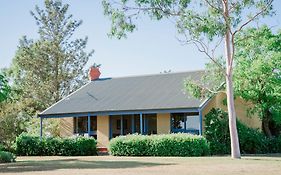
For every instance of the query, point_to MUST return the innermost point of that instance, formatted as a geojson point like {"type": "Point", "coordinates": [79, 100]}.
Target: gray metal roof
{"type": "Point", "coordinates": [136, 93]}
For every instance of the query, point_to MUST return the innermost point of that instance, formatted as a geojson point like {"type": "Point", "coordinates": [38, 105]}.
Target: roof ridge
{"type": "Point", "coordinates": [155, 74]}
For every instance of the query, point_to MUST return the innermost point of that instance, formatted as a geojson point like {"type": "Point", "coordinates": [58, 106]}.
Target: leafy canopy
{"type": "Point", "coordinates": [199, 18]}
{"type": "Point", "coordinates": [257, 74]}
{"type": "Point", "coordinates": [4, 88]}
{"type": "Point", "coordinates": [258, 70]}
{"type": "Point", "coordinates": [51, 67]}
{"type": "Point", "coordinates": [43, 71]}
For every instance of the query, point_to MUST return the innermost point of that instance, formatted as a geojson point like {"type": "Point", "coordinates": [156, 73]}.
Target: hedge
{"type": "Point", "coordinates": [7, 157]}
{"type": "Point", "coordinates": [159, 145]}
{"type": "Point", "coordinates": [252, 141]}
{"type": "Point", "coordinates": [27, 145]}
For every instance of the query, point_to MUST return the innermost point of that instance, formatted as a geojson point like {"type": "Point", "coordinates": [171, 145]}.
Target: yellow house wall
{"type": "Point", "coordinates": [163, 123]}
{"type": "Point", "coordinates": [66, 127]}
{"type": "Point", "coordinates": [102, 131]}
{"type": "Point", "coordinates": [241, 107]}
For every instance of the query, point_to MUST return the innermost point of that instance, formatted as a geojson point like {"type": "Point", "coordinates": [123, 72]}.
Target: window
{"type": "Point", "coordinates": [178, 121]}
{"type": "Point", "coordinates": [185, 122]}
{"type": "Point", "coordinates": [131, 123]}
{"type": "Point", "coordinates": [125, 124]}
{"type": "Point", "coordinates": [150, 124]}
{"type": "Point", "coordinates": [81, 125]}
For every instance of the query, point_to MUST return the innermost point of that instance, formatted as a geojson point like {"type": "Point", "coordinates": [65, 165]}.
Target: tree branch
{"type": "Point", "coordinates": [243, 25]}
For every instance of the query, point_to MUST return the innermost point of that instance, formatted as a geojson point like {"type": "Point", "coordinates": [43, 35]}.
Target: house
{"type": "Point", "coordinates": [151, 104]}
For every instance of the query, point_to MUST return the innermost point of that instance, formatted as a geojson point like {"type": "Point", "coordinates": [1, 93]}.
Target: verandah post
{"type": "Point", "coordinates": [89, 124]}
{"type": "Point", "coordinates": [133, 123]}
{"type": "Point", "coordinates": [200, 122]}
{"type": "Point", "coordinates": [121, 123]}
{"type": "Point", "coordinates": [141, 126]}
{"type": "Point", "coordinates": [41, 128]}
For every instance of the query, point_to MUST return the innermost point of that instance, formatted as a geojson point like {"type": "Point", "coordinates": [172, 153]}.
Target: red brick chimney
{"type": "Point", "coordinates": [94, 73]}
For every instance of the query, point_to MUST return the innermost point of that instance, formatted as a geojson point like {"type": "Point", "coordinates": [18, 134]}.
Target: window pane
{"type": "Point", "coordinates": [151, 123]}
{"type": "Point", "coordinates": [127, 124]}
{"type": "Point", "coordinates": [93, 123]}
{"type": "Point", "coordinates": [137, 123]}
{"type": "Point", "coordinates": [82, 125]}
{"type": "Point", "coordinates": [177, 120]}
{"type": "Point", "coordinates": [115, 125]}
{"type": "Point", "coordinates": [192, 122]}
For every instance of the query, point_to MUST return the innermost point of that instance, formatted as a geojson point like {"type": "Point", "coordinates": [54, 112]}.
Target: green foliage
{"type": "Point", "coordinates": [211, 82]}
{"type": "Point", "coordinates": [7, 157]}
{"type": "Point", "coordinates": [200, 19]}
{"type": "Point", "coordinates": [12, 122]}
{"type": "Point", "coordinates": [251, 140]}
{"type": "Point", "coordinates": [27, 145]}
{"type": "Point", "coordinates": [4, 88]}
{"type": "Point", "coordinates": [2, 148]}
{"type": "Point", "coordinates": [159, 145]}
{"type": "Point", "coordinates": [217, 132]}
{"type": "Point", "coordinates": [275, 144]}
{"type": "Point", "coordinates": [48, 69]}
{"type": "Point", "coordinates": [257, 74]}
{"type": "Point", "coordinates": [42, 72]}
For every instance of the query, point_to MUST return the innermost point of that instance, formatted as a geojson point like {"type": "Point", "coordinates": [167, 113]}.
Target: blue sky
{"type": "Point", "coordinates": [151, 49]}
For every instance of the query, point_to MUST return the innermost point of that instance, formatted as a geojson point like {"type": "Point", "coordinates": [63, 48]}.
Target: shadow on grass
{"type": "Point", "coordinates": [262, 157]}
{"type": "Point", "coordinates": [48, 165]}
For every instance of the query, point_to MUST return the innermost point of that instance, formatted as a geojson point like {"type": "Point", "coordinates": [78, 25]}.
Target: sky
{"type": "Point", "coordinates": [151, 49]}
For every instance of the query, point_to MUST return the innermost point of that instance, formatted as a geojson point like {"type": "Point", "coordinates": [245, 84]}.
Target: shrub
{"type": "Point", "coordinates": [217, 132]}
{"type": "Point", "coordinates": [6, 157]}
{"type": "Point", "coordinates": [159, 145]}
{"type": "Point", "coordinates": [251, 140]}
{"type": "Point", "coordinates": [28, 145]}
{"type": "Point", "coordinates": [275, 145]}
{"type": "Point", "coordinates": [32, 146]}
{"type": "Point", "coordinates": [2, 148]}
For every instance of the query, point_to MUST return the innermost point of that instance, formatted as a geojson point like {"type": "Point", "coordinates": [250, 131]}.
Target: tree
{"type": "Point", "coordinates": [47, 69]}
{"type": "Point", "coordinates": [52, 67]}
{"type": "Point", "coordinates": [4, 88]}
{"type": "Point", "coordinates": [257, 76]}
{"type": "Point", "coordinates": [201, 22]}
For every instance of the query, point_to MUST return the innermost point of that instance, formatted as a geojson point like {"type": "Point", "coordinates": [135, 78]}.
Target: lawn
{"type": "Point", "coordinates": [258, 165]}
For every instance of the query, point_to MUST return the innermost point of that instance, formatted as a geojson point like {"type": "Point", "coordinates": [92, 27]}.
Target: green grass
{"type": "Point", "coordinates": [257, 165]}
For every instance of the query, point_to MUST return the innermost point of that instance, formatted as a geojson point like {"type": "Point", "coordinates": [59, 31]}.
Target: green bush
{"type": "Point", "coordinates": [32, 146]}
{"type": "Point", "coordinates": [251, 140]}
{"type": "Point", "coordinates": [159, 145]}
{"type": "Point", "coordinates": [275, 145]}
{"type": "Point", "coordinates": [6, 157]}
{"type": "Point", "coordinates": [28, 145]}
{"type": "Point", "coordinates": [2, 148]}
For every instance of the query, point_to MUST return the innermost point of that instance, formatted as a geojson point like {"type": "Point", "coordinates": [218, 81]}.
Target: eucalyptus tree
{"type": "Point", "coordinates": [256, 76]}
{"type": "Point", "coordinates": [205, 23]}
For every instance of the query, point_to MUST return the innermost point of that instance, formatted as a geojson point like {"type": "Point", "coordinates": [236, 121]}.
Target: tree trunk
{"type": "Point", "coordinates": [235, 149]}
{"type": "Point", "coordinates": [57, 83]}
{"type": "Point", "coordinates": [265, 124]}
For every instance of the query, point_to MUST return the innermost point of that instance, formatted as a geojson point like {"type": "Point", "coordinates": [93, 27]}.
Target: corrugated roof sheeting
{"type": "Point", "coordinates": [161, 91]}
